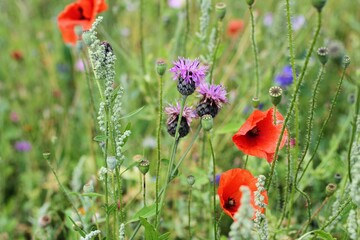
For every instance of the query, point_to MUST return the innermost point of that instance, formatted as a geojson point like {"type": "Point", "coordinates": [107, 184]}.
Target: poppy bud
{"type": "Point", "coordinates": [87, 38]}
{"type": "Point", "coordinates": [255, 102]}
{"type": "Point", "coordinates": [220, 10]}
{"type": "Point", "coordinates": [207, 122]}
{"type": "Point", "coordinates": [191, 180]}
{"type": "Point", "coordinates": [275, 94]}
{"type": "Point", "coordinates": [323, 53]}
{"type": "Point", "coordinates": [250, 2]}
{"type": "Point", "coordinates": [346, 61]}
{"type": "Point", "coordinates": [318, 4]}
{"type": "Point", "coordinates": [144, 166]}
{"type": "Point", "coordinates": [337, 177]}
{"type": "Point", "coordinates": [330, 189]}
{"type": "Point", "coordinates": [160, 67]}
{"type": "Point", "coordinates": [111, 162]}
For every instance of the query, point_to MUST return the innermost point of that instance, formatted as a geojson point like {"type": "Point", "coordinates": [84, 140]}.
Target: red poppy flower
{"type": "Point", "coordinates": [230, 194]}
{"type": "Point", "coordinates": [17, 55]}
{"type": "Point", "coordinates": [234, 27]}
{"type": "Point", "coordinates": [258, 136]}
{"type": "Point", "coordinates": [82, 13]}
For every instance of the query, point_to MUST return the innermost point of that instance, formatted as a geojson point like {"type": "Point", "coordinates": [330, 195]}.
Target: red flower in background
{"type": "Point", "coordinates": [230, 194]}
{"type": "Point", "coordinates": [82, 13]}
{"type": "Point", "coordinates": [258, 136]}
{"type": "Point", "coordinates": [235, 27]}
{"type": "Point", "coordinates": [17, 55]}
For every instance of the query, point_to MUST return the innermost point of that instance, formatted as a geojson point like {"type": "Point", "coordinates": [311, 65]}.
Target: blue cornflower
{"type": "Point", "coordinates": [285, 78]}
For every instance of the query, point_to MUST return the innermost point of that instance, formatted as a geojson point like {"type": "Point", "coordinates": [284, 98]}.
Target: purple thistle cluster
{"type": "Point", "coordinates": [22, 146]}
{"type": "Point", "coordinates": [285, 78]}
{"type": "Point", "coordinates": [190, 74]}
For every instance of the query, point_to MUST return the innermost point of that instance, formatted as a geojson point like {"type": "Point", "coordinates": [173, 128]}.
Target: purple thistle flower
{"type": "Point", "coordinates": [214, 93]}
{"type": "Point", "coordinates": [298, 22]}
{"type": "Point", "coordinates": [285, 78]}
{"type": "Point", "coordinates": [174, 111]}
{"type": "Point", "coordinates": [189, 71]}
{"type": "Point", "coordinates": [22, 146]}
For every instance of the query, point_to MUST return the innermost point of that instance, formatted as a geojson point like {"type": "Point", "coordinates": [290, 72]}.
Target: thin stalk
{"type": "Point", "coordinates": [189, 211]}
{"type": "Point", "coordinates": [293, 100]}
{"type": "Point", "coordinates": [274, 115]}
{"type": "Point", "coordinates": [333, 103]}
{"type": "Point", "coordinates": [187, 26]}
{"type": "Point", "coordinates": [115, 225]}
{"type": "Point", "coordinates": [254, 46]}
{"type": "Point", "coordinates": [218, 33]}
{"type": "Point", "coordinates": [144, 189]}
{"type": "Point", "coordinates": [214, 186]}
{"type": "Point", "coordinates": [353, 131]}
{"type": "Point", "coordinates": [158, 138]}
{"type": "Point", "coordinates": [141, 29]}
{"type": "Point", "coordinates": [172, 158]}
{"type": "Point", "coordinates": [310, 121]}
{"type": "Point", "coordinates": [339, 212]}
{"type": "Point", "coordinates": [106, 174]}
{"type": "Point", "coordinates": [246, 161]}
{"type": "Point", "coordinates": [119, 193]}
{"type": "Point", "coordinates": [203, 150]}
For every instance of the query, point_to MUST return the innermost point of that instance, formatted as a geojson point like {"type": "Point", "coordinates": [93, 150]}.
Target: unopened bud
{"type": "Point", "coordinates": [160, 67]}
{"type": "Point", "coordinates": [337, 177]}
{"type": "Point", "coordinates": [275, 94]}
{"type": "Point", "coordinates": [323, 54]}
{"type": "Point", "coordinates": [250, 2]}
{"type": "Point", "coordinates": [255, 102]}
{"type": "Point", "coordinates": [318, 4]}
{"type": "Point", "coordinates": [346, 61]}
{"type": "Point", "coordinates": [44, 221]}
{"type": "Point", "coordinates": [46, 155]}
{"type": "Point", "coordinates": [207, 122]}
{"type": "Point", "coordinates": [144, 166]}
{"type": "Point", "coordinates": [191, 180]}
{"type": "Point", "coordinates": [330, 189]}
{"type": "Point", "coordinates": [220, 10]}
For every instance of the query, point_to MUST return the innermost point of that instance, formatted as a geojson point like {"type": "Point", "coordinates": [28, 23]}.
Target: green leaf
{"type": "Point", "coordinates": [320, 234]}
{"type": "Point", "coordinates": [150, 231]}
{"type": "Point", "coordinates": [228, 128]}
{"type": "Point", "coordinates": [165, 236]}
{"type": "Point", "coordinates": [92, 195]}
{"type": "Point", "coordinates": [145, 212]}
{"type": "Point", "coordinates": [132, 113]}
{"type": "Point", "coordinates": [129, 167]}
{"type": "Point", "coordinates": [100, 138]}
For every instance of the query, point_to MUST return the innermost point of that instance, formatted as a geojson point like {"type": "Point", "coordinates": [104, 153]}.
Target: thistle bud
{"type": "Point", "coordinates": [275, 94]}
{"type": "Point", "coordinates": [318, 4]}
{"type": "Point", "coordinates": [87, 38]}
{"type": "Point", "coordinates": [323, 55]}
{"type": "Point", "coordinates": [220, 10]}
{"type": "Point", "coordinates": [160, 67]}
{"type": "Point", "coordinates": [144, 166]}
{"type": "Point", "coordinates": [330, 189]}
{"type": "Point", "coordinates": [346, 61]}
{"type": "Point", "coordinates": [191, 180]}
{"type": "Point", "coordinates": [250, 2]}
{"type": "Point", "coordinates": [207, 122]}
{"type": "Point", "coordinates": [255, 102]}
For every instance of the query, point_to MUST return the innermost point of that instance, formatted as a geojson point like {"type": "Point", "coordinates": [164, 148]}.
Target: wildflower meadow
{"type": "Point", "coordinates": [180, 119]}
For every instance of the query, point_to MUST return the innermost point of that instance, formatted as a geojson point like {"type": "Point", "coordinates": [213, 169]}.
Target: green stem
{"type": "Point", "coordinates": [119, 192]}
{"type": "Point", "coordinates": [144, 189]}
{"type": "Point", "coordinates": [353, 131]}
{"type": "Point", "coordinates": [172, 158]}
{"type": "Point", "coordinates": [274, 115]}
{"type": "Point", "coordinates": [333, 103]}
{"type": "Point", "coordinates": [338, 213]}
{"type": "Point", "coordinates": [217, 37]}
{"type": "Point", "coordinates": [189, 211]}
{"type": "Point", "coordinates": [293, 100]}
{"type": "Point", "coordinates": [203, 150]}
{"type": "Point", "coordinates": [106, 174]}
{"type": "Point", "coordinates": [187, 26]}
{"type": "Point", "coordinates": [141, 29]}
{"type": "Point", "coordinates": [158, 136]}
{"type": "Point", "coordinates": [246, 161]}
{"type": "Point", "coordinates": [254, 46]}
{"type": "Point", "coordinates": [214, 185]}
